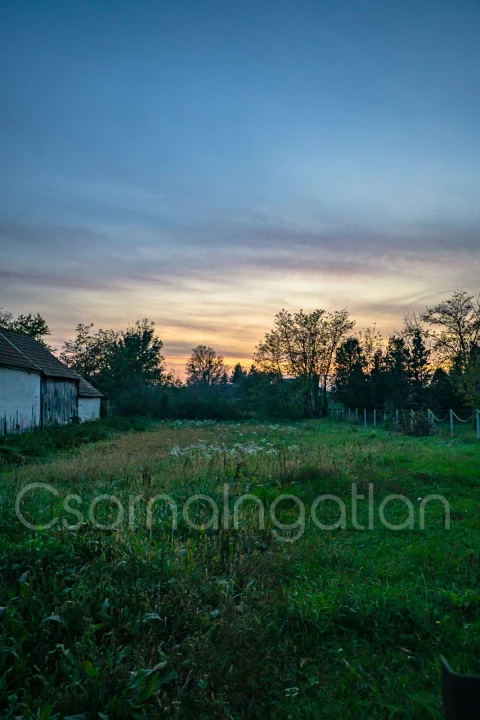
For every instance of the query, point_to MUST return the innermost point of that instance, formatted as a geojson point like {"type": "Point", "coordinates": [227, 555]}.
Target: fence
{"type": "Point", "coordinates": [450, 423]}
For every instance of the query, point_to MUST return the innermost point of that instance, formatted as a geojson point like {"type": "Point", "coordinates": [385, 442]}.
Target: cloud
{"type": "Point", "coordinates": [222, 284]}
{"type": "Point", "coordinates": [48, 237]}
{"type": "Point", "coordinates": [88, 258]}
{"type": "Point", "coordinates": [47, 279]}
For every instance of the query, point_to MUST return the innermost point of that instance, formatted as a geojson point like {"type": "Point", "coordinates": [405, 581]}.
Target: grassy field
{"type": "Point", "coordinates": [143, 621]}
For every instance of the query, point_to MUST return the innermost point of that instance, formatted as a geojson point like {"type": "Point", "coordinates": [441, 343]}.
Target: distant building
{"type": "Point", "coordinates": [37, 390]}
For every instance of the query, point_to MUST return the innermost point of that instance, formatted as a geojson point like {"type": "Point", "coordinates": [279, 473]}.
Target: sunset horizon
{"type": "Point", "coordinates": [205, 165]}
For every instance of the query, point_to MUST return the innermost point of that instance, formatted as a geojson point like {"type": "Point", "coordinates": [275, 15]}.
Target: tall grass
{"type": "Point", "coordinates": [147, 623]}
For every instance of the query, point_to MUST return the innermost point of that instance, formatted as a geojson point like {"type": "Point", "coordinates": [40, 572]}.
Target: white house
{"type": "Point", "coordinates": [37, 390]}
{"type": "Point", "coordinates": [89, 401]}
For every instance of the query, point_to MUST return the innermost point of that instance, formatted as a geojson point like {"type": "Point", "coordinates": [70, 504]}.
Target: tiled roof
{"type": "Point", "coordinates": [11, 356]}
{"type": "Point", "coordinates": [88, 391]}
{"type": "Point", "coordinates": [23, 352]}
{"type": "Point", "coordinates": [38, 356]}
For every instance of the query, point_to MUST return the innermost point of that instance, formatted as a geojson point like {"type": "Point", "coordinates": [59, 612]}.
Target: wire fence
{"type": "Point", "coordinates": [423, 422]}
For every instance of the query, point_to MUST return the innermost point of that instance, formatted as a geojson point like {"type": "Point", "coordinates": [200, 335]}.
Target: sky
{"type": "Point", "coordinates": [205, 163]}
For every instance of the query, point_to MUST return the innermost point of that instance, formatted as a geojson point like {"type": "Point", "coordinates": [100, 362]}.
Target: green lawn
{"type": "Point", "coordinates": [139, 622]}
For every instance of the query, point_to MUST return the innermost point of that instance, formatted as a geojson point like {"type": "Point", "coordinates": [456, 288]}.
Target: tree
{"type": "Point", "coordinates": [138, 357]}
{"type": "Point", "coordinates": [89, 353]}
{"type": "Point", "coordinates": [350, 382]}
{"type": "Point", "coordinates": [337, 326]}
{"type": "Point", "coordinates": [33, 325]}
{"type": "Point", "coordinates": [442, 393]}
{"type": "Point", "coordinates": [205, 367]}
{"type": "Point", "coordinates": [454, 326]}
{"type": "Point", "coordinates": [117, 360]}
{"type": "Point", "coordinates": [6, 318]}
{"type": "Point", "coordinates": [397, 371]}
{"type": "Point", "coordinates": [239, 375]}
{"type": "Point", "coordinates": [418, 366]}
{"type": "Point", "coordinates": [467, 382]}
{"type": "Point", "coordinates": [271, 395]}
{"type": "Point", "coordinates": [302, 346]}
{"type": "Point", "coordinates": [294, 348]}
{"type": "Point", "coordinates": [372, 345]}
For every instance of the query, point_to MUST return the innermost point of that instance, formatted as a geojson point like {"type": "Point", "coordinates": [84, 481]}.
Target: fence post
{"type": "Point", "coordinates": [478, 424]}
{"type": "Point", "coordinates": [396, 416]}
{"type": "Point", "coordinates": [356, 414]}
{"type": "Point", "coordinates": [374, 417]}
{"type": "Point", "coordinates": [385, 419]}
{"type": "Point", "coordinates": [365, 416]}
{"type": "Point", "coordinates": [412, 419]}
{"type": "Point", "coordinates": [451, 423]}
{"type": "Point", "coordinates": [349, 413]}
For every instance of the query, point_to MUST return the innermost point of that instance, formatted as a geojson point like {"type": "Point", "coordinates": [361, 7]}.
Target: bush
{"type": "Point", "coordinates": [15, 449]}
{"type": "Point", "coordinates": [191, 402]}
{"type": "Point", "coordinates": [421, 426]}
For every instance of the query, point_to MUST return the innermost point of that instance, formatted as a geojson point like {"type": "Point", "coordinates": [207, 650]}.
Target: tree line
{"type": "Point", "coordinates": [306, 358]}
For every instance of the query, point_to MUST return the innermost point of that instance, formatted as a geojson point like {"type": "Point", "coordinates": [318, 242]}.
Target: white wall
{"type": "Point", "coordinates": [19, 400]}
{"type": "Point", "coordinates": [88, 409]}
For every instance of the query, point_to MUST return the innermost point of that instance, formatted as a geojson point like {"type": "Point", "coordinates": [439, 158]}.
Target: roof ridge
{"type": "Point", "coordinates": [21, 351]}
{"type": "Point", "coordinates": [28, 353]}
